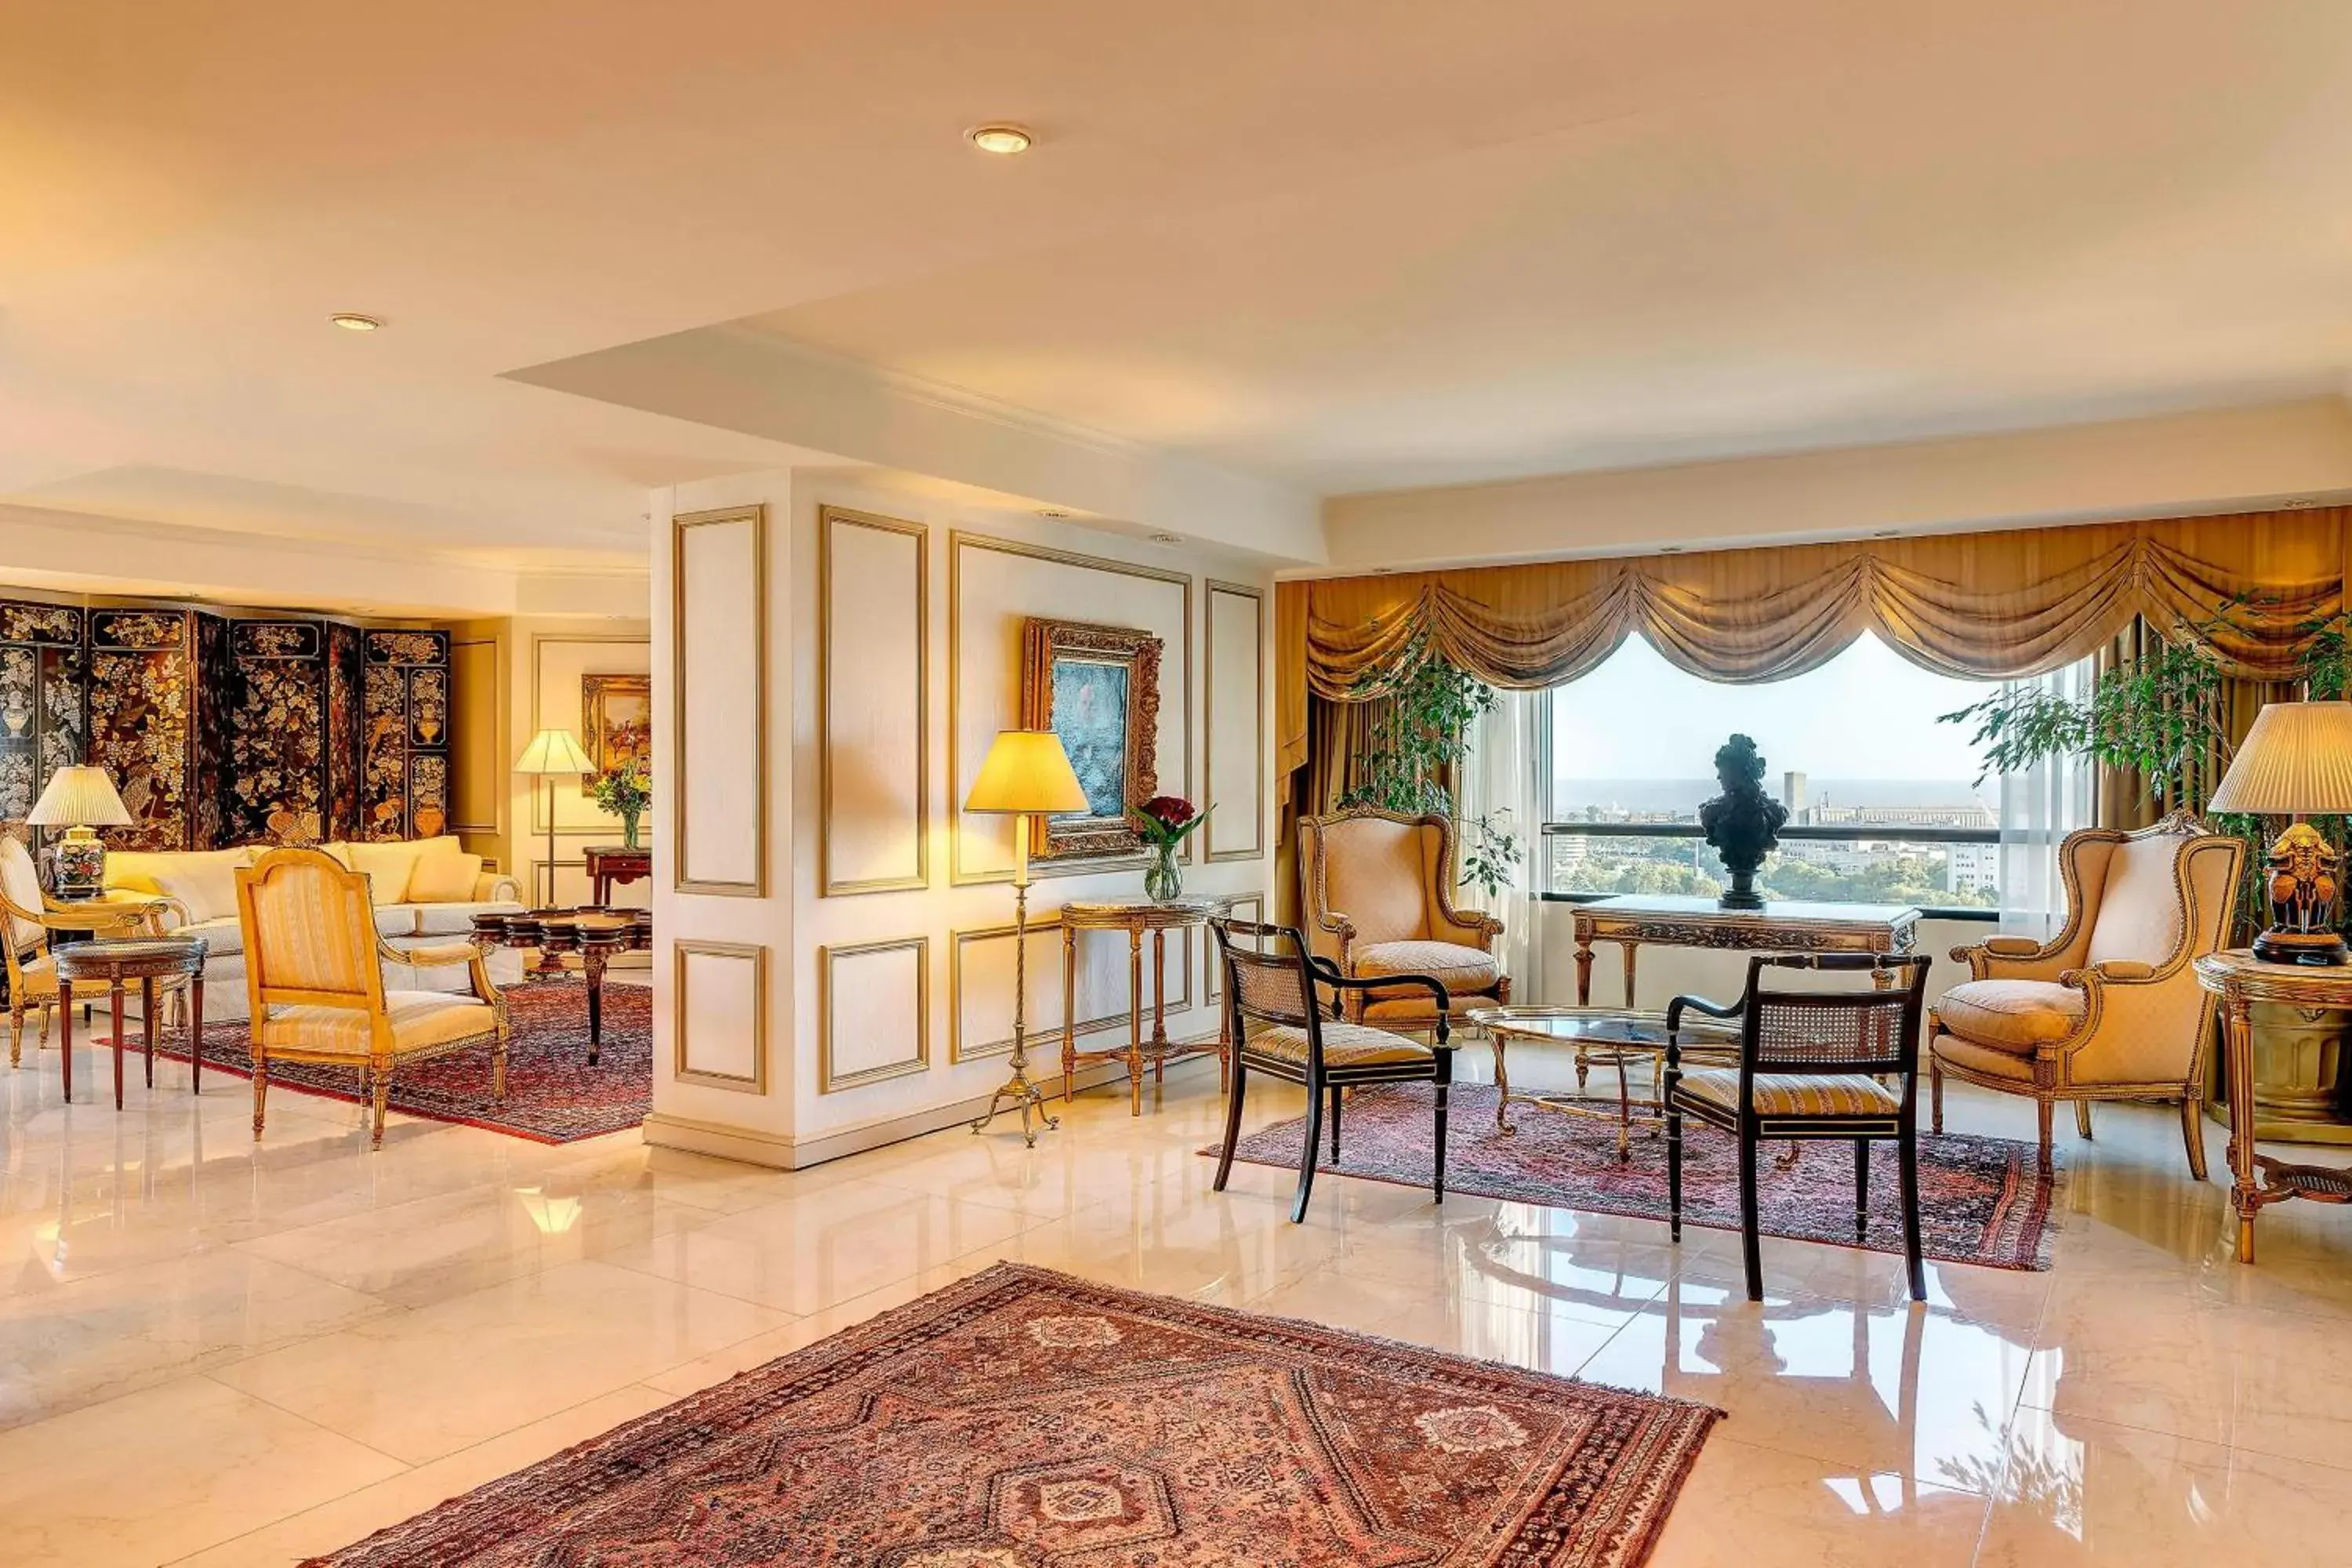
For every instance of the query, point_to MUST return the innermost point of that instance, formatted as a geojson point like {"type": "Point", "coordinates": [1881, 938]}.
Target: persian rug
{"type": "Point", "coordinates": [553, 1096]}
{"type": "Point", "coordinates": [1022, 1418]}
{"type": "Point", "coordinates": [1981, 1200]}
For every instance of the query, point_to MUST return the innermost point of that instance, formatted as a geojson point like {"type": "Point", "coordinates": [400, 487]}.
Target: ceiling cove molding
{"type": "Point", "coordinates": [743, 379]}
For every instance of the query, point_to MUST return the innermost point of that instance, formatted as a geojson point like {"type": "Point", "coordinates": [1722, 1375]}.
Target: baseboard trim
{"type": "Point", "coordinates": [754, 1148]}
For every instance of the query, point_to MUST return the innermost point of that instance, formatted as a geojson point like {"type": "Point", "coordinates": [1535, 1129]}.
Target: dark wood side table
{"type": "Point", "coordinates": [1135, 917]}
{"type": "Point", "coordinates": [2241, 980]}
{"type": "Point", "coordinates": [171, 960]}
{"type": "Point", "coordinates": [611, 863]}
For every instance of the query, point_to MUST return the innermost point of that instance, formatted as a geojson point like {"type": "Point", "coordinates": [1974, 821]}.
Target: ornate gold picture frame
{"type": "Point", "coordinates": [616, 717]}
{"type": "Point", "coordinates": [1099, 689]}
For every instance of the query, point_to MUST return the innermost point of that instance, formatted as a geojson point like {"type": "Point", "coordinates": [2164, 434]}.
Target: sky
{"type": "Point", "coordinates": [1869, 713]}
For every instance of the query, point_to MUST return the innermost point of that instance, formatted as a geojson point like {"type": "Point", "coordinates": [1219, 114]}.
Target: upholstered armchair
{"type": "Point", "coordinates": [314, 976]}
{"type": "Point", "coordinates": [26, 916]}
{"type": "Point", "coordinates": [1378, 897]}
{"type": "Point", "coordinates": [2109, 1008]}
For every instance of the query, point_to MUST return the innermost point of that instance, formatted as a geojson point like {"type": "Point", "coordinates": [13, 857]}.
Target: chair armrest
{"type": "Point", "coordinates": [2113, 972]}
{"type": "Point", "coordinates": [2007, 947]}
{"type": "Point", "coordinates": [1480, 928]}
{"type": "Point", "coordinates": [430, 957]}
{"type": "Point", "coordinates": [496, 888]}
{"type": "Point", "coordinates": [1680, 1004]}
{"type": "Point", "coordinates": [2010, 957]}
{"type": "Point", "coordinates": [1326, 974]}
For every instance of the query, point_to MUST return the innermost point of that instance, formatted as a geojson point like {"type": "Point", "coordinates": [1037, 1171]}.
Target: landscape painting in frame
{"type": "Point", "coordinates": [616, 717]}
{"type": "Point", "coordinates": [1096, 687]}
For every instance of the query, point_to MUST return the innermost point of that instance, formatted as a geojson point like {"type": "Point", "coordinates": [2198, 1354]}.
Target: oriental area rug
{"type": "Point", "coordinates": [1022, 1418]}
{"type": "Point", "coordinates": [1981, 1200]}
{"type": "Point", "coordinates": [553, 1096]}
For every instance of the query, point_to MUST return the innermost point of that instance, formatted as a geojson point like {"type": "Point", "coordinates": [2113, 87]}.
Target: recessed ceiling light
{"type": "Point", "coordinates": [1670, 550]}
{"type": "Point", "coordinates": [1004, 140]}
{"type": "Point", "coordinates": [1055, 512]}
{"type": "Point", "coordinates": [1888, 533]}
{"type": "Point", "coordinates": [1167, 538]}
{"type": "Point", "coordinates": [352, 321]}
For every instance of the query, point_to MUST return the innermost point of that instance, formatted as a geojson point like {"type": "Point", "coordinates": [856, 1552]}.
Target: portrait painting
{"type": "Point", "coordinates": [1097, 688]}
{"type": "Point", "coordinates": [616, 718]}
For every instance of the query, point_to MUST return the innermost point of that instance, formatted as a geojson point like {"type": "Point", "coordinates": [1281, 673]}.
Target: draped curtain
{"type": "Point", "coordinates": [2006, 603]}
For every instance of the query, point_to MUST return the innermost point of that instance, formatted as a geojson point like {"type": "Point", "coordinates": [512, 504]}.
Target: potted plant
{"type": "Point", "coordinates": [1165, 821]}
{"type": "Point", "coordinates": [625, 792]}
{"type": "Point", "coordinates": [1420, 743]}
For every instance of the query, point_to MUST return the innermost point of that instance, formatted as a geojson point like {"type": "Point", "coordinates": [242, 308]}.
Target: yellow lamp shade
{"type": "Point", "coordinates": [78, 797]}
{"type": "Point", "coordinates": [2296, 760]}
{"type": "Point", "coordinates": [554, 752]}
{"type": "Point", "coordinates": [1027, 770]}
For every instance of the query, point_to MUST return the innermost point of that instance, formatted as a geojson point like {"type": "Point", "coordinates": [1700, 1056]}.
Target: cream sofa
{"type": "Point", "coordinates": [427, 891]}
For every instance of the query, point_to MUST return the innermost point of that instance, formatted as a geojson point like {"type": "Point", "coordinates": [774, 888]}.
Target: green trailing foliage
{"type": "Point", "coordinates": [1418, 745]}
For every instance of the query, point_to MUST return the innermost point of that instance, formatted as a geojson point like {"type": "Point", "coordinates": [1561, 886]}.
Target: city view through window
{"type": "Point", "coordinates": [1855, 745]}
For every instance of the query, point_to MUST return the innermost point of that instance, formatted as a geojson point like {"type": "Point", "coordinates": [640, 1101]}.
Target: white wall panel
{"type": "Point", "coordinates": [1235, 724]}
{"type": "Point", "coordinates": [720, 781]}
{"type": "Point", "coordinates": [875, 723]}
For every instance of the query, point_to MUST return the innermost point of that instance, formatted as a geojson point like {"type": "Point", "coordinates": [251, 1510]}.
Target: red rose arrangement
{"type": "Point", "coordinates": [1167, 820]}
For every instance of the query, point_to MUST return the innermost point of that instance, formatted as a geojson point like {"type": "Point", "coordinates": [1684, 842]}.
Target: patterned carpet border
{"type": "Point", "coordinates": [553, 1096]}
{"type": "Point", "coordinates": [795, 1438]}
{"type": "Point", "coordinates": [1981, 1200]}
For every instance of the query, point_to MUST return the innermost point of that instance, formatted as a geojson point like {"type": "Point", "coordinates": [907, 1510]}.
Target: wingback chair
{"type": "Point", "coordinates": [314, 976]}
{"type": "Point", "coordinates": [1378, 895]}
{"type": "Point", "coordinates": [2109, 1008]}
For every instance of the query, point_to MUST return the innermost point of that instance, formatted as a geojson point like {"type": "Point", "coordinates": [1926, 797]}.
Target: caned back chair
{"type": "Point", "coordinates": [314, 976]}
{"type": "Point", "coordinates": [1813, 1064]}
{"type": "Point", "coordinates": [1277, 1015]}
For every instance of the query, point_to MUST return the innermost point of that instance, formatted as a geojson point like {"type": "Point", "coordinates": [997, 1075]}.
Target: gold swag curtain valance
{"type": "Point", "coordinates": [2011, 603]}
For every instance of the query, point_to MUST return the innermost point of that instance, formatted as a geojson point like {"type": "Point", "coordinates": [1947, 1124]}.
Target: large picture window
{"type": "Point", "coordinates": [1885, 800]}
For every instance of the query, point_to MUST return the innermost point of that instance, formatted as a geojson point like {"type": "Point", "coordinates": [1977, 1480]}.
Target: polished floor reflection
{"type": "Point", "coordinates": [211, 1354]}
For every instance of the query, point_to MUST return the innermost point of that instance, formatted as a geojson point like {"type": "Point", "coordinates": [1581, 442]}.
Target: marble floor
{"type": "Point", "coordinates": [214, 1354]}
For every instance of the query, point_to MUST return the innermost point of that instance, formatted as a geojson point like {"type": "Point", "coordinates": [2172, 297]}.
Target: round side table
{"type": "Point", "coordinates": [172, 960]}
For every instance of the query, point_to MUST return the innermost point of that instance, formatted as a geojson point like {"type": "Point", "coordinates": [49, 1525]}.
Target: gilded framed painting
{"type": "Point", "coordinates": [616, 717]}
{"type": "Point", "coordinates": [1097, 688]}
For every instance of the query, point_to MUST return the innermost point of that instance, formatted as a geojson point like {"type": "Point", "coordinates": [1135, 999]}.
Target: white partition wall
{"type": "Point", "coordinates": [880, 915]}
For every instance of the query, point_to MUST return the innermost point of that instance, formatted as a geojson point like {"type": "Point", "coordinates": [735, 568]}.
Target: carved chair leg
{"type": "Point", "coordinates": [2083, 1119]}
{"type": "Point", "coordinates": [380, 1101]}
{"type": "Point", "coordinates": [16, 1037]}
{"type": "Point", "coordinates": [2046, 1111]}
{"type": "Point", "coordinates": [260, 1092]}
{"type": "Point", "coordinates": [1936, 1093]}
{"type": "Point", "coordinates": [2192, 1134]}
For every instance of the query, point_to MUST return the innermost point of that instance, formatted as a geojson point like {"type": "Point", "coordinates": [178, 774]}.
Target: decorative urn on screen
{"type": "Point", "coordinates": [1742, 822]}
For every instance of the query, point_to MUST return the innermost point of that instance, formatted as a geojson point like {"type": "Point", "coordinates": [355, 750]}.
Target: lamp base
{"type": "Point", "coordinates": [2313, 949]}
{"type": "Point", "coordinates": [80, 864]}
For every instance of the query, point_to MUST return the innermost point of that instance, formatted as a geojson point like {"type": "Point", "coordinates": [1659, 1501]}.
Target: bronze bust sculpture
{"type": "Point", "coordinates": [1743, 822]}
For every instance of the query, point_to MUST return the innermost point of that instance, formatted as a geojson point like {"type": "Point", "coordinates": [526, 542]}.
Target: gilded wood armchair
{"type": "Point", "coordinates": [1378, 895]}
{"type": "Point", "coordinates": [2110, 1007]}
{"type": "Point", "coordinates": [29, 917]}
{"type": "Point", "coordinates": [314, 976]}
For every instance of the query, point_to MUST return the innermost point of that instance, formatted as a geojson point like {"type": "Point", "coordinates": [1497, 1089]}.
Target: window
{"type": "Point", "coordinates": [1883, 803]}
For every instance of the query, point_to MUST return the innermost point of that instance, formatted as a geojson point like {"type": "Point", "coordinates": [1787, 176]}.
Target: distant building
{"type": "Point", "coordinates": [1792, 794]}
{"type": "Point", "coordinates": [1972, 868]}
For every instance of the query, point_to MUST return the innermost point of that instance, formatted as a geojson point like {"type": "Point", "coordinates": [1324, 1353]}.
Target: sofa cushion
{"type": "Point", "coordinates": [2010, 1014]}
{"type": "Point", "coordinates": [205, 881]}
{"type": "Point", "coordinates": [222, 937]}
{"type": "Point", "coordinates": [1458, 969]}
{"type": "Point", "coordinates": [443, 876]}
{"type": "Point", "coordinates": [389, 864]}
{"type": "Point", "coordinates": [455, 919]}
{"type": "Point", "coordinates": [1985, 1060]}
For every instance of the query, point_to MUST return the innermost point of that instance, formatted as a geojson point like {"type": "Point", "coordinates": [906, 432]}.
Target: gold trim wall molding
{"type": "Point", "coordinates": [829, 518]}
{"type": "Point", "coordinates": [1255, 849]}
{"type": "Point", "coordinates": [1045, 1041]}
{"type": "Point", "coordinates": [755, 954]}
{"type": "Point", "coordinates": [752, 880]}
{"type": "Point", "coordinates": [828, 958]}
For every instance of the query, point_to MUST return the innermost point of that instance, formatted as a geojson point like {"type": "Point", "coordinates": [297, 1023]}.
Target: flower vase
{"type": "Point", "coordinates": [1163, 879]}
{"type": "Point", "coordinates": [628, 830]}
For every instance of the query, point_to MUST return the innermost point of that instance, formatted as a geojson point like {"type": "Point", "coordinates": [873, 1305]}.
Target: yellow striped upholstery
{"type": "Point", "coordinates": [314, 929]}
{"type": "Point", "coordinates": [419, 1019]}
{"type": "Point", "coordinates": [1344, 1045]}
{"type": "Point", "coordinates": [1793, 1094]}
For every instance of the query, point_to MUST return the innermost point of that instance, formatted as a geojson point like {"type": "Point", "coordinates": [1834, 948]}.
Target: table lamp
{"type": "Point", "coordinates": [2296, 762]}
{"type": "Point", "coordinates": [79, 799]}
{"type": "Point", "coordinates": [1026, 771]}
{"type": "Point", "coordinates": [551, 755]}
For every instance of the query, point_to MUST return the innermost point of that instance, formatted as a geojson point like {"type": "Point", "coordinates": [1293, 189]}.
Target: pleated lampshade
{"type": "Point", "coordinates": [1027, 770]}
{"type": "Point", "coordinates": [2298, 759]}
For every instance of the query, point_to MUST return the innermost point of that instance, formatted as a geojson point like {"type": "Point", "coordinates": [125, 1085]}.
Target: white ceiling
{"type": "Point", "coordinates": [1344, 247]}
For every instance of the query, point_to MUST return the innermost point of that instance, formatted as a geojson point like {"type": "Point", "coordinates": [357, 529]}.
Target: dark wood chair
{"type": "Point", "coordinates": [1811, 1066]}
{"type": "Point", "coordinates": [1274, 990]}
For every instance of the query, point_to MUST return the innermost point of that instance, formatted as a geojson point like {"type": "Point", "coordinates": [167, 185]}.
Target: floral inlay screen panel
{"type": "Point", "coordinates": [293, 758]}
{"type": "Point", "coordinates": [156, 680]}
{"type": "Point", "coordinates": [43, 703]}
{"type": "Point", "coordinates": [404, 793]}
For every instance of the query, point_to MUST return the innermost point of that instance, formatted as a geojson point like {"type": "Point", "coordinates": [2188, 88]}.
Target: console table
{"type": "Point", "coordinates": [1135, 917]}
{"type": "Point", "coordinates": [1629, 920]}
{"type": "Point", "coordinates": [614, 863]}
{"type": "Point", "coordinates": [2241, 980]}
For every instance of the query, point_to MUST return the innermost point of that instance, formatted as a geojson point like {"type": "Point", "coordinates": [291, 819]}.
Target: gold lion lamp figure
{"type": "Point", "coordinates": [2296, 760]}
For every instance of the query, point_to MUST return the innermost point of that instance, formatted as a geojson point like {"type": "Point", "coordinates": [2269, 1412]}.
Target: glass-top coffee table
{"type": "Point", "coordinates": [1604, 1037]}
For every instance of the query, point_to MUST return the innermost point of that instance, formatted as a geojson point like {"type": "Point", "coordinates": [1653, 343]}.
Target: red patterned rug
{"type": "Point", "coordinates": [1022, 1418]}
{"type": "Point", "coordinates": [1981, 1200]}
{"type": "Point", "coordinates": [553, 1096]}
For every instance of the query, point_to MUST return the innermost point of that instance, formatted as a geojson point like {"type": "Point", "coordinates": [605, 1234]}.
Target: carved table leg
{"type": "Point", "coordinates": [591, 970]}
{"type": "Point", "coordinates": [1502, 1084]}
{"type": "Point", "coordinates": [196, 1033]}
{"type": "Point", "coordinates": [1629, 948]}
{"type": "Point", "coordinates": [65, 1034]}
{"type": "Point", "coordinates": [1069, 1011]}
{"type": "Point", "coordinates": [1583, 968]}
{"type": "Point", "coordinates": [2245, 1185]}
{"type": "Point", "coordinates": [147, 1016]}
{"type": "Point", "coordinates": [114, 1000]}
{"type": "Point", "coordinates": [1135, 1022]}
{"type": "Point", "coordinates": [1160, 1005]}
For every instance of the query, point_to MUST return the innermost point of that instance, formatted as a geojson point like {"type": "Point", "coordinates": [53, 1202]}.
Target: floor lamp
{"type": "Point", "coordinates": [553, 755]}
{"type": "Point", "coordinates": [1026, 771]}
